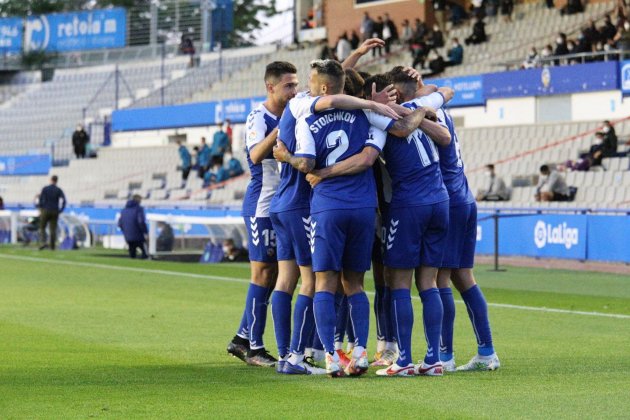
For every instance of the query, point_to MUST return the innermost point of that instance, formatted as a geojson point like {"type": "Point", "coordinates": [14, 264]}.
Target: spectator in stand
{"type": "Point", "coordinates": [622, 40]}
{"type": "Point", "coordinates": [458, 14]}
{"type": "Point", "coordinates": [496, 189]}
{"type": "Point", "coordinates": [439, 11]}
{"type": "Point", "coordinates": [217, 173]}
{"type": "Point", "coordinates": [477, 9]}
{"type": "Point", "coordinates": [230, 133]}
{"type": "Point", "coordinates": [377, 32]}
{"type": "Point", "coordinates": [390, 32]}
{"type": "Point", "coordinates": [592, 33]}
{"type": "Point", "coordinates": [436, 38]}
{"type": "Point", "coordinates": [231, 253]}
{"type": "Point", "coordinates": [550, 4]}
{"type": "Point", "coordinates": [134, 227]}
{"type": "Point", "coordinates": [186, 165]}
{"type": "Point", "coordinates": [186, 46]}
{"type": "Point", "coordinates": [506, 8]}
{"type": "Point", "coordinates": [203, 158]}
{"type": "Point", "coordinates": [367, 26]}
{"type": "Point", "coordinates": [220, 142]}
{"type": "Point", "coordinates": [419, 51]}
{"type": "Point", "coordinates": [561, 46]}
{"type": "Point", "coordinates": [478, 35]}
{"type": "Point", "coordinates": [531, 60]}
{"type": "Point", "coordinates": [551, 186]}
{"type": "Point", "coordinates": [1, 203]}
{"type": "Point", "coordinates": [420, 30]}
{"type": "Point", "coordinates": [436, 64]}
{"type": "Point", "coordinates": [305, 24]}
{"type": "Point", "coordinates": [343, 48]}
{"type": "Point", "coordinates": [406, 33]}
{"type": "Point", "coordinates": [455, 54]}
{"type": "Point", "coordinates": [608, 31]}
{"type": "Point", "coordinates": [546, 52]}
{"type": "Point", "coordinates": [326, 52]}
{"type": "Point", "coordinates": [572, 49]}
{"type": "Point", "coordinates": [52, 202]}
{"type": "Point", "coordinates": [80, 139]}
{"type": "Point", "coordinates": [572, 7]}
{"type": "Point", "coordinates": [585, 42]}
{"type": "Point", "coordinates": [354, 40]}
{"type": "Point", "coordinates": [607, 146]}
{"type": "Point", "coordinates": [234, 166]}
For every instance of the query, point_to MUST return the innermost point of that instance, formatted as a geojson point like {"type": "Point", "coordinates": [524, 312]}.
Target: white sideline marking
{"type": "Point", "coordinates": [235, 280]}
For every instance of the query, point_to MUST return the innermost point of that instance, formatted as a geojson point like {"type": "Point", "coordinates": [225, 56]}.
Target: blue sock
{"type": "Point", "coordinates": [316, 343]}
{"type": "Point", "coordinates": [448, 320]}
{"type": "Point", "coordinates": [243, 331]}
{"type": "Point", "coordinates": [402, 314]}
{"type": "Point", "coordinates": [478, 313]}
{"type": "Point", "coordinates": [257, 301]}
{"type": "Point", "coordinates": [378, 312]}
{"type": "Point", "coordinates": [281, 312]}
{"type": "Point", "coordinates": [432, 312]}
{"type": "Point", "coordinates": [325, 319]}
{"type": "Point", "coordinates": [390, 333]}
{"type": "Point", "coordinates": [360, 316]}
{"type": "Point", "coordinates": [341, 309]}
{"type": "Point", "coordinates": [303, 323]}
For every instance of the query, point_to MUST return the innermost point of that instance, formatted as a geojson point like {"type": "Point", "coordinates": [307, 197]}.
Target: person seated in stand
{"type": "Point", "coordinates": [234, 167]}
{"type": "Point", "coordinates": [231, 253]}
{"type": "Point", "coordinates": [478, 35]}
{"type": "Point", "coordinates": [495, 189]}
{"type": "Point", "coordinates": [455, 54]}
{"type": "Point", "coordinates": [551, 186]}
{"type": "Point", "coordinates": [217, 173]}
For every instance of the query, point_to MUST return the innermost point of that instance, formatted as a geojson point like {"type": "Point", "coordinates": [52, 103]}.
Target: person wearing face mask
{"type": "Point", "coordinates": [532, 59]}
{"type": "Point", "coordinates": [80, 139]}
{"type": "Point", "coordinates": [455, 54]}
{"type": "Point", "coordinates": [234, 167]}
{"type": "Point", "coordinates": [231, 253]}
{"type": "Point", "coordinates": [623, 40]}
{"type": "Point", "coordinates": [495, 189]}
{"type": "Point", "coordinates": [217, 173]}
{"type": "Point", "coordinates": [436, 38]}
{"type": "Point", "coordinates": [561, 47]}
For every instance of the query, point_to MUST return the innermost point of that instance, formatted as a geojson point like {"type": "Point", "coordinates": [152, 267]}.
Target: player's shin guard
{"type": "Point", "coordinates": [359, 305]}
{"type": "Point", "coordinates": [402, 314]}
{"type": "Point", "coordinates": [325, 319]}
{"type": "Point", "coordinates": [448, 320]}
{"type": "Point", "coordinates": [432, 312]}
{"type": "Point", "coordinates": [303, 323]}
{"type": "Point", "coordinates": [257, 301]}
{"type": "Point", "coordinates": [281, 312]}
{"type": "Point", "coordinates": [341, 309]}
{"type": "Point", "coordinates": [478, 313]}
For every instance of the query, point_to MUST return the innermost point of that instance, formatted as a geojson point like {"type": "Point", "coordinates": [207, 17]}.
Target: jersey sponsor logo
{"type": "Point", "coordinates": [561, 234]}
{"type": "Point", "coordinates": [319, 123]}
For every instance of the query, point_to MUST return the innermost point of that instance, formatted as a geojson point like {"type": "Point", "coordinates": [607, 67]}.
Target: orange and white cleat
{"type": "Point", "coordinates": [435, 369]}
{"type": "Point", "coordinates": [395, 370]}
{"type": "Point", "coordinates": [358, 365]}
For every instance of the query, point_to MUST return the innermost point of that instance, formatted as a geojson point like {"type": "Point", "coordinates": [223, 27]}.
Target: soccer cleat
{"type": "Point", "coordinates": [302, 369]}
{"type": "Point", "coordinates": [260, 357]}
{"type": "Point", "coordinates": [435, 369]}
{"type": "Point", "coordinates": [344, 360]}
{"type": "Point", "coordinates": [395, 370]}
{"type": "Point", "coordinates": [280, 365]}
{"type": "Point", "coordinates": [308, 360]}
{"type": "Point", "coordinates": [238, 347]}
{"type": "Point", "coordinates": [385, 358]}
{"type": "Point", "coordinates": [333, 367]}
{"type": "Point", "coordinates": [481, 363]}
{"type": "Point", "coordinates": [358, 365]}
{"type": "Point", "coordinates": [449, 365]}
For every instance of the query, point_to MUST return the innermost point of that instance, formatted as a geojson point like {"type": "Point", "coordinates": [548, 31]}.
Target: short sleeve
{"type": "Point", "coordinates": [376, 138]}
{"type": "Point", "coordinates": [441, 116]}
{"type": "Point", "coordinates": [303, 105]}
{"type": "Point", "coordinates": [434, 100]}
{"type": "Point", "coordinates": [380, 121]}
{"type": "Point", "coordinates": [256, 128]}
{"type": "Point", "coordinates": [305, 143]}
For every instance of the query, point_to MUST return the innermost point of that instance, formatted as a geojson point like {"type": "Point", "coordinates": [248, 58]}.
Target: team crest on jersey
{"type": "Point", "coordinates": [252, 135]}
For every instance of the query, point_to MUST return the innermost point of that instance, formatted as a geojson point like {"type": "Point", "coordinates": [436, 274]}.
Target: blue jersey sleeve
{"type": "Point", "coordinates": [305, 143]}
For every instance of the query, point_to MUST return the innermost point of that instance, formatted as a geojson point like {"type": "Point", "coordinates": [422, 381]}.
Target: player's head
{"type": "Point", "coordinates": [54, 179]}
{"type": "Point", "coordinates": [326, 78]}
{"type": "Point", "coordinates": [544, 169]}
{"type": "Point", "coordinates": [404, 84]}
{"type": "Point", "coordinates": [381, 81]}
{"type": "Point", "coordinates": [281, 81]}
{"type": "Point", "coordinates": [353, 84]}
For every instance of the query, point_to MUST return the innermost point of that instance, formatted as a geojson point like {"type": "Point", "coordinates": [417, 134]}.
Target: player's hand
{"type": "Point", "coordinates": [385, 110]}
{"type": "Point", "coordinates": [413, 73]}
{"type": "Point", "coordinates": [430, 114]}
{"type": "Point", "coordinates": [369, 44]}
{"type": "Point", "coordinates": [385, 96]}
{"type": "Point", "coordinates": [280, 151]}
{"type": "Point", "coordinates": [313, 178]}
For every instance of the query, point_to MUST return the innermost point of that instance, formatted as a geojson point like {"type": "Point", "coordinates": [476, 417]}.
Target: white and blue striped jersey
{"type": "Point", "coordinates": [265, 176]}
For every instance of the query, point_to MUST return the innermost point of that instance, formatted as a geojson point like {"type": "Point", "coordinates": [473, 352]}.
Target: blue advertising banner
{"type": "Point", "coordinates": [235, 110]}
{"type": "Point", "coordinates": [485, 233]}
{"type": "Point", "coordinates": [11, 35]}
{"type": "Point", "coordinates": [25, 165]}
{"type": "Point", "coordinates": [76, 31]}
{"type": "Point", "coordinates": [608, 238]}
{"type": "Point", "coordinates": [188, 115]}
{"type": "Point", "coordinates": [624, 77]}
{"type": "Point", "coordinates": [552, 80]}
{"type": "Point", "coordinates": [468, 89]}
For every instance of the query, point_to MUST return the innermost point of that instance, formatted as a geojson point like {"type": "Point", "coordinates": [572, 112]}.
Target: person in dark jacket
{"type": "Point", "coordinates": [478, 34]}
{"type": "Point", "coordinates": [80, 139]}
{"type": "Point", "coordinates": [184, 155]}
{"type": "Point", "coordinates": [52, 202]}
{"type": "Point", "coordinates": [133, 225]}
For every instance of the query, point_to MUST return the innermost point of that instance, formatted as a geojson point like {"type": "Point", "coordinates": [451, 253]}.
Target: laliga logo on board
{"type": "Point", "coordinates": [545, 77]}
{"type": "Point", "coordinates": [37, 34]}
{"type": "Point", "coordinates": [625, 77]}
{"type": "Point", "coordinates": [559, 235]}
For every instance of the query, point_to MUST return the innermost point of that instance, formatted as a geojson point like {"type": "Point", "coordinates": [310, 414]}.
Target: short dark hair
{"type": "Point", "coordinates": [275, 70]}
{"type": "Point", "coordinates": [217, 159]}
{"type": "Point", "coordinates": [54, 178]}
{"type": "Point", "coordinates": [332, 70]}
{"type": "Point", "coordinates": [353, 84]}
{"type": "Point", "coordinates": [399, 77]}
{"type": "Point", "coordinates": [544, 168]}
{"type": "Point", "coordinates": [381, 81]}
{"type": "Point", "coordinates": [490, 166]}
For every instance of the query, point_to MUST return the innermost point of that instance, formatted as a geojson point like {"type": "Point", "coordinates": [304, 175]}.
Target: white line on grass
{"type": "Point", "coordinates": [235, 280]}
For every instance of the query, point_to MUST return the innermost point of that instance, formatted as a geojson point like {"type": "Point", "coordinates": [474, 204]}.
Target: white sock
{"type": "Point", "coordinates": [391, 345]}
{"type": "Point", "coordinates": [295, 359]}
{"type": "Point", "coordinates": [308, 352]}
{"type": "Point", "coordinates": [358, 351]}
{"type": "Point", "coordinates": [338, 345]}
{"type": "Point", "coordinates": [319, 355]}
{"type": "Point", "coordinates": [380, 346]}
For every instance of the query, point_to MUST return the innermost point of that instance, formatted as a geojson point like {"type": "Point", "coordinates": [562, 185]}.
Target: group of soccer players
{"type": "Point", "coordinates": [330, 172]}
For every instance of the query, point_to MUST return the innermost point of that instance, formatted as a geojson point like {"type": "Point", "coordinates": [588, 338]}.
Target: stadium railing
{"type": "Point", "coordinates": [578, 58]}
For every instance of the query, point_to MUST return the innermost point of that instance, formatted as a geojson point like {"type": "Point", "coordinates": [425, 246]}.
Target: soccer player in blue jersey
{"type": "Point", "coordinates": [281, 83]}
{"type": "Point", "coordinates": [457, 263]}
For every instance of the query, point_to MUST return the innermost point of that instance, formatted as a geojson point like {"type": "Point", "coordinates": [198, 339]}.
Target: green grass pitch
{"type": "Point", "coordinates": [86, 335]}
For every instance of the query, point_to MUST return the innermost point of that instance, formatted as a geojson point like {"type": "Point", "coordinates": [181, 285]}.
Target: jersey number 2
{"type": "Point", "coordinates": [338, 141]}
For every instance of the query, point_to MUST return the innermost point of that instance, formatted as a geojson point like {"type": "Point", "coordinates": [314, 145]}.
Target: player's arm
{"type": "Point", "coordinates": [437, 132]}
{"type": "Point", "coordinates": [363, 49]}
{"type": "Point", "coordinates": [348, 102]}
{"type": "Point", "coordinates": [405, 126]}
{"type": "Point", "coordinates": [353, 165]}
{"type": "Point", "coordinates": [304, 158]}
{"type": "Point", "coordinates": [260, 150]}
{"type": "Point", "coordinates": [282, 154]}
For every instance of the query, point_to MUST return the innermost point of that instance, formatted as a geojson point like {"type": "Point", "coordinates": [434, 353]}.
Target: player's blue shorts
{"type": "Point", "coordinates": [342, 239]}
{"type": "Point", "coordinates": [293, 233]}
{"type": "Point", "coordinates": [462, 237]}
{"type": "Point", "coordinates": [261, 241]}
{"type": "Point", "coordinates": [416, 236]}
